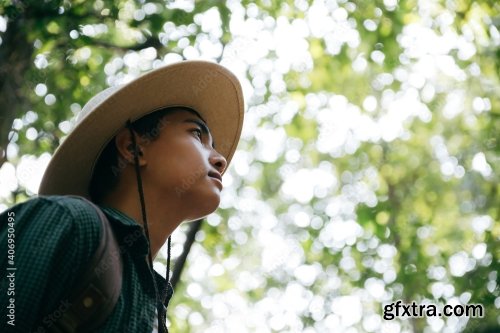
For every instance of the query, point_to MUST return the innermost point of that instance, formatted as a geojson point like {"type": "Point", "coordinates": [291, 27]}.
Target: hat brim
{"type": "Point", "coordinates": [210, 89]}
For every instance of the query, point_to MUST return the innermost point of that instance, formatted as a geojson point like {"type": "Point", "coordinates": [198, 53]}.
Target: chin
{"type": "Point", "coordinates": [204, 207]}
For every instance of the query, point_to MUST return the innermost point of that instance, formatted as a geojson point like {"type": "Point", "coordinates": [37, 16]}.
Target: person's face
{"type": "Point", "coordinates": [183, 165]}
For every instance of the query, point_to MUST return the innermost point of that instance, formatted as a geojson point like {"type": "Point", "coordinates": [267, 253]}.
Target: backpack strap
{"type": "Point", "coordinates": [94, 297]}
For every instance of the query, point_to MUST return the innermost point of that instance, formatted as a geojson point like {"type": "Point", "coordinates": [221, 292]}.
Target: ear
{"type": "Point", "coordinates": [125, 147]}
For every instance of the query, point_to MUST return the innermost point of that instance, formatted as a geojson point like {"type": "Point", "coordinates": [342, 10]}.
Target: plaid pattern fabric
{"type": "Point", "coordinates": [54, 237]}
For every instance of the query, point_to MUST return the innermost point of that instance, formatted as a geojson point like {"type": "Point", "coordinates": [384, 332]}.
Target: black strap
{"type": "Point", "coordinates": [97, 291]}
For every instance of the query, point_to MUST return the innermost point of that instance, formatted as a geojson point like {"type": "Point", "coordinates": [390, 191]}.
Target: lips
{"type": "Point", "coordinates": [216, 175]}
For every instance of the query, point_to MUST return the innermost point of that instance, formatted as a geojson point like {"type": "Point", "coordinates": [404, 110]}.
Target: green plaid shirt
{"type": "Point", "coordinates": [45, 245]}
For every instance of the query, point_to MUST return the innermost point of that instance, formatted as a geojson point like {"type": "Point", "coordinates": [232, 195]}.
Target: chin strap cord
{"type": "Point", "coordinates": [169, 247]}
{"type": "Point", "coordinates": [160, 306]}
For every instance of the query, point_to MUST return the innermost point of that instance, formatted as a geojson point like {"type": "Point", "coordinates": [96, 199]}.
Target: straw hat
{"type": "Point", "coordinates": [206, 87]}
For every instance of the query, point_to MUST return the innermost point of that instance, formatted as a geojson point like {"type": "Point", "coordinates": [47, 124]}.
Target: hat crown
{"type": "Point", "coordinates": [95, 101]}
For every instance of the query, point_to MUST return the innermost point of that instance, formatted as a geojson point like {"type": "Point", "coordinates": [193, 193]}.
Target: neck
{"type": "Point", "coordinates": [162, 216]}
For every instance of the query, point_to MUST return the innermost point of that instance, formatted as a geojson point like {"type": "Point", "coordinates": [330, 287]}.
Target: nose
{"type": "Point", "coordinates": [218, 161]}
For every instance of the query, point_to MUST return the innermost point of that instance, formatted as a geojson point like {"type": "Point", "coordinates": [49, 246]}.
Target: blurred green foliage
{"type": "Point", "coordinates": [384, 186]}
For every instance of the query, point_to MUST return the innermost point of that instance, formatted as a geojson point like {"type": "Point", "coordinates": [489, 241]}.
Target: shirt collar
{"type": "Point", "coordinates": [129, 233]}
{"type": "Point", "coordinates": [121, 217]}
{"type": "Point", "coordinates": [128, 227]}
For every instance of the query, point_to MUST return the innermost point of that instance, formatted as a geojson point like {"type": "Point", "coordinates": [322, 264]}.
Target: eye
{"type": "Point", "coordinates": [198, 132]}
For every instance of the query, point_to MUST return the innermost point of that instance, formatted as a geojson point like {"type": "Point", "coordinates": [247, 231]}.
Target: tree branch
{"type": "Point", "coordinates": [181, 261]}
{"type": "Point", "coordinates": [150, 42]}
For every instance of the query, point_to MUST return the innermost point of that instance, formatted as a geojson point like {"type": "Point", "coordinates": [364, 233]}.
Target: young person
{"type": "Point", "coordinates": [151, 155]}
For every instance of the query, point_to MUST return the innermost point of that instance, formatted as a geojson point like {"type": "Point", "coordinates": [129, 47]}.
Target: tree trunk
{"type": "Point", "coordinates": [15, 59]}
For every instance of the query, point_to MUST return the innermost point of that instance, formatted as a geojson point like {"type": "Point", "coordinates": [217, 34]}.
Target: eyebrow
{"type": "Point", "coordinates": [203, 126]}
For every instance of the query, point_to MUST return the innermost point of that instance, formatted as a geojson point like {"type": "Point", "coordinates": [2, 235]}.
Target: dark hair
{"type": "Point", "coordinates": [109, 165]}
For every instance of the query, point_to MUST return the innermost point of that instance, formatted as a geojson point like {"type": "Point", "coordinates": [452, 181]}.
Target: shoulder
{"type": "Point", "coordinates": [60, 214]}
{"type": "Point", "coordinates": [70, 206]}
{"type": "Point", "coordinates": [55, 237]}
